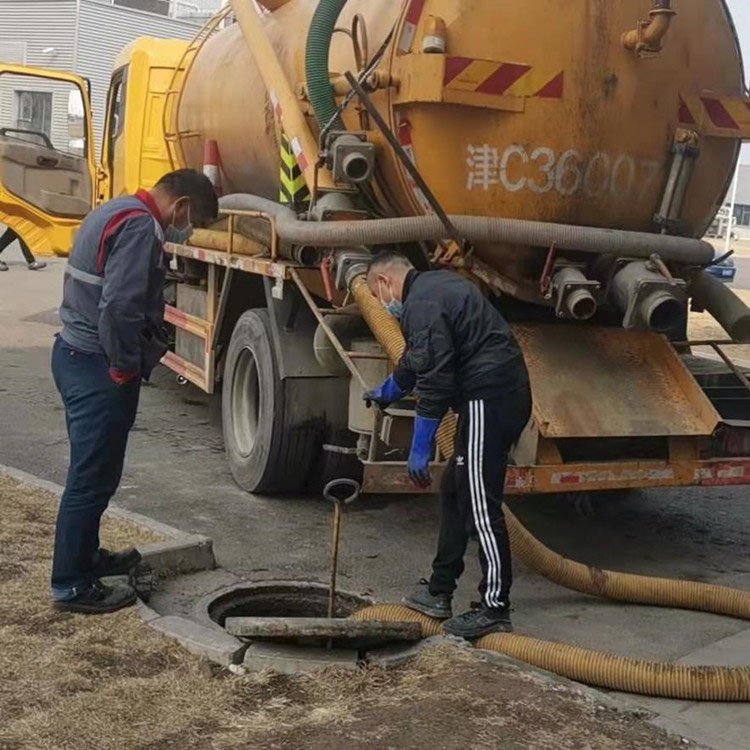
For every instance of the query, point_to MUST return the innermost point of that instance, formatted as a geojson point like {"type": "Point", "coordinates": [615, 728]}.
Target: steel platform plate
{"type": "Point", "coordinates": [593, 382]}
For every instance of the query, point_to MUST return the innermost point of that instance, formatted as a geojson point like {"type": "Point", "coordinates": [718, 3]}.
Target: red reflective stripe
{"type": "Point", "coordinates": [554, 89]}
{"type": "Point", "coordinates": [454, 66]}
{"type": "Point", "coordinates": [686, 116]}
{"type": "Point", "coordinates": [112, 226]}
{"type": "Point", "coordinates": [719, 114]}
{"type": "Point", "coordinates": [503, 78]}
{"type": "Point", "coordinates": [415, 11]}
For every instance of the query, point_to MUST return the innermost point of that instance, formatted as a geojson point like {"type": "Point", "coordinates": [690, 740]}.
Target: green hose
{"type": "Point", "coordinates": [319, 89]}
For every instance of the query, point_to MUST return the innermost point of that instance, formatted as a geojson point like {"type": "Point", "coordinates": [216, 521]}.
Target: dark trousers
{"type": "Point", "coordinates": [472, 495]}
{"type": "Point", "coordinates": [99, 416]}
{"type": "Point", "coordinates": [9, 237]}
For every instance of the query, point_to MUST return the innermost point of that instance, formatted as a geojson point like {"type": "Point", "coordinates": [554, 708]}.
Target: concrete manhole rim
{"type": "Point", "coordinates": [201, 609]}
{"type": "Point", "coordinates": [289, 659]}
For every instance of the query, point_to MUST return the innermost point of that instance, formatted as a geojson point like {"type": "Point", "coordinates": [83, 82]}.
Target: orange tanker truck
{"type": "Point", "coordinates": [567, 157]}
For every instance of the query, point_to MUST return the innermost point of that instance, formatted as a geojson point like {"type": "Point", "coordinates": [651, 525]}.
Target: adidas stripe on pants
{"type": "Point", "coordinates": [472, 495]}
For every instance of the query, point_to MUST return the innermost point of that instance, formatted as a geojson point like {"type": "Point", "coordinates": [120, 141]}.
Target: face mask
{"type": "Point", "coordinates": [394, 307]}
{"type": "Point", "coordinates": [176, 235]}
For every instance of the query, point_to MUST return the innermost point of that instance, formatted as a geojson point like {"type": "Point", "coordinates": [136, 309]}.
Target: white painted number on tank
{"type": "Point", "coordinates": [543, 170]}
{"type": "Point", "coordinates": [544, 158]}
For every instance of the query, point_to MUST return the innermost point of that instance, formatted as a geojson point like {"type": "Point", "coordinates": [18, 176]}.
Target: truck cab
{"type": "Point", "coordinates": [49, 175]}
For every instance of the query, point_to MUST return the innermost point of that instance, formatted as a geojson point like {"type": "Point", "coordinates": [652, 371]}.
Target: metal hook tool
{"type": "Point", "coordinates": [338, 504]}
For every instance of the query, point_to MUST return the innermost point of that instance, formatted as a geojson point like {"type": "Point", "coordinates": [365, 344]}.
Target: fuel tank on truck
{"type": "Point", "coordinates": [536, 110]}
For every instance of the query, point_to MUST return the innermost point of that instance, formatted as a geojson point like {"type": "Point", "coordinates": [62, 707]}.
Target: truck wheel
{"type": "Point", "coordinates": [269, 449]}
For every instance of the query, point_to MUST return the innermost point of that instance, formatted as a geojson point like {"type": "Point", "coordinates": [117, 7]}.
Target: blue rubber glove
{"type": "Point", "coordinates": [384, 395]}
{"type": "Point", "coordinates": [422, 450]}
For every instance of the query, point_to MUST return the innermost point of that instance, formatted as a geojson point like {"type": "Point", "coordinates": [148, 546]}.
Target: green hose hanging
{"type": "Point", "coordinates": [319, 89]}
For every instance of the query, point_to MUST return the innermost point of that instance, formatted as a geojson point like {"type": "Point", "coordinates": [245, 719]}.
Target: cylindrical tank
{"type": "Point", "coordinates": [576, 129]}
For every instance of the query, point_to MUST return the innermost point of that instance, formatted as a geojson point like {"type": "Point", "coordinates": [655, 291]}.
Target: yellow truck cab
{"type": "Point", "coordinates": [49, 178]}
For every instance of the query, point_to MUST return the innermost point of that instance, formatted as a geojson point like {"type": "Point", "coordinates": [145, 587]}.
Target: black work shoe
{"type": "Point", "coordinates": [480, 621]}
{"type": "Point", "coordinates": [432, 605]}
{"type": "Point", "coordinates": [116, 563]}
{"type": "Point", "coordinates": [98, 600]}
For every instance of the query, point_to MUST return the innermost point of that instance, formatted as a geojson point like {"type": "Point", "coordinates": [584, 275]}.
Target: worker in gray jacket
{"type": "Point", "coordinates": [112, 338]}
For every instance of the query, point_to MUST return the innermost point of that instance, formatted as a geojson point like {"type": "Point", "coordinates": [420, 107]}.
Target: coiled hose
{"type": "Point", "coordinates": [596, 668]}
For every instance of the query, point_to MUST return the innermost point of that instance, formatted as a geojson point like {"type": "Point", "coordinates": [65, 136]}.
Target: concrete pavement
{"type": "Point", "coordinates": [176, 473]}
{"type": "Point", "coordinates": [742, 280]}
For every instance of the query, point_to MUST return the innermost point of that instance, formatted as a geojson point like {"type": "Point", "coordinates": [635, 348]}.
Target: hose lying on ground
{"type": "Point", "coordinates": [475, 229]}
{"type": "Point", "coordinates": [596, 668]}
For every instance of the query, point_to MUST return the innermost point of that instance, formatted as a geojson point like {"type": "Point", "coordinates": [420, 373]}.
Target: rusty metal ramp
{"type": "Point", "coordinates": [592, 382]}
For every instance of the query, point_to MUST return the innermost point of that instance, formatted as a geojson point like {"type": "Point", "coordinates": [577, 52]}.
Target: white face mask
{"type": "Point", "coordinates": [176, 235]}
{"type": "Point", "coordinates": [393, 307]}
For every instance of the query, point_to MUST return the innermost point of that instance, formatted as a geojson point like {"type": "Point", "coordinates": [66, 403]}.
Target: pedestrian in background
{"type": "Point", "coordinates": [8, 238]}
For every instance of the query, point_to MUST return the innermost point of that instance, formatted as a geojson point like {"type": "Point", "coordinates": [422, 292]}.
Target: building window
{"type": "Point", "coordinates": [151, 6]}
{"type": "Point", "coordinates": [34, 110]}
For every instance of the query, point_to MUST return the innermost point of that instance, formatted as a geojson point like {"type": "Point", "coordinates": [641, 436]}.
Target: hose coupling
{"type": "Point", "coordinates": [574, 294]}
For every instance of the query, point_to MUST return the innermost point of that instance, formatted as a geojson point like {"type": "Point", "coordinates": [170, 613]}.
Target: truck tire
{"type": "Point", "coordinates": [269, 447]}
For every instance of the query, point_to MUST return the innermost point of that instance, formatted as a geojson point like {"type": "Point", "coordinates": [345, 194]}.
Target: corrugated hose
{"type": "Point", "coordinates": [600, 669]}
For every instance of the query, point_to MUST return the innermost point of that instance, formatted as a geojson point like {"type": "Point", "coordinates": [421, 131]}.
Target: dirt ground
{"type": "Point", "coordinates": [111, 683]}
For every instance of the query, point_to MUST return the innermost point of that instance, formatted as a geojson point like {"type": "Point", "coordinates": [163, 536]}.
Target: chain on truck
{"type": "Point", "coordinates": [566, 157]}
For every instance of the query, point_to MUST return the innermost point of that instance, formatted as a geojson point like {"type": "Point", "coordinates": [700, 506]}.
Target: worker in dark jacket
{"type": "Point", "coordinates": [112, 337]}
{"type": "Point", "coordinates": [460, 355]}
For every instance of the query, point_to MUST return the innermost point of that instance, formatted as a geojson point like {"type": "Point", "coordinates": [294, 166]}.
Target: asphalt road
{"type": "Point", "coordinates": [176, 472]}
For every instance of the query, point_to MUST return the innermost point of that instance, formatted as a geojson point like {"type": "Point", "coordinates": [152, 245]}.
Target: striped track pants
{"type": "Point", "coordinates": [472, 496]}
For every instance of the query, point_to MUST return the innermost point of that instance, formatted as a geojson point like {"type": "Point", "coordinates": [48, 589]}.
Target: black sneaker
{"type": "Point", "coordinates": [433, 605]}
{"type": "Point", "coordinates": [480, 621]}
{"type": "Point", "coordinates": [98, 600]}
{"type": "Point", "coordinates": [116, 563]}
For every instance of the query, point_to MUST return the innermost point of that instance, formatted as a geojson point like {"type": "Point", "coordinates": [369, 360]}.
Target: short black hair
{"type": "Point", "coordinates": [387, 258]}
{"type": "Point", "coordinates": [189, 183]}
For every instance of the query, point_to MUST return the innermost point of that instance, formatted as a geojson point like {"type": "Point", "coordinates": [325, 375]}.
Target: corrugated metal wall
{"type": "Point", "coordinates": [104, 30]}
{"type": "Point", "coordinates": [47, 29]}
{"type": "Point", "coordinates": [88, 44]}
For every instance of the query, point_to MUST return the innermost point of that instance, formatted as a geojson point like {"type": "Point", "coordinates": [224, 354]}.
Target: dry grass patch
{"type": "Point", "coordinates": [69, 682]}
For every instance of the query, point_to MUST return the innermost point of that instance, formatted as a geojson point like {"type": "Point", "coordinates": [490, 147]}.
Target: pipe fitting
{"type": "Point", "coordinates": [648, 36]}
{"type": "Point", "coordinates": [574, 294]}
{"type": "Point", "coordinates": [648, 300]}
{"type": "Point", "coordinates": [350, 157]}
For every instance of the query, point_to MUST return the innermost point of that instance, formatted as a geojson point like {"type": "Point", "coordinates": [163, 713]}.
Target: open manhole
{"type": "Point", "coordinates": [291, 599]}
{"type": "Point", "coordinates": [280, 599]}
{"type": "Point", "coordinates": [284, 599]}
